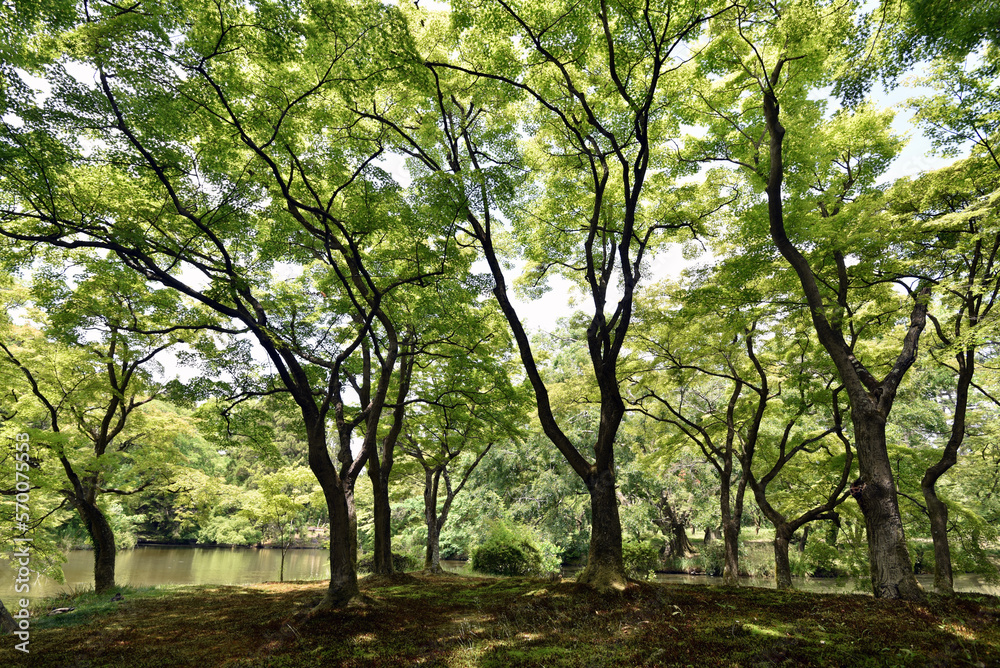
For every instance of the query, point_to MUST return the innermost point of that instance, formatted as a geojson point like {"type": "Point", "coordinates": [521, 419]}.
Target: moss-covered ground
{"type": "Point", "coordinates": [459, 621]}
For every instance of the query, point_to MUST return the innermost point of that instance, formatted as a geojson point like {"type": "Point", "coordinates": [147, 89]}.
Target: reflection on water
{"type": "Point", "coordinates": [154, 565]}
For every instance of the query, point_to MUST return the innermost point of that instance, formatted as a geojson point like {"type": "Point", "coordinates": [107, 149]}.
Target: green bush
{"type": "Point", "coordinates": [641, 559]}
{"type": "Point", "coordinates": [512, 550]}
{"type": "Point", "coordinates": [712, 558]}
{"type": "Point", "coordinates": [820, 560]}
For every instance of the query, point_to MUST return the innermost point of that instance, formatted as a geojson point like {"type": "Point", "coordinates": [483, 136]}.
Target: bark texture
{"type": "Point", "coordinates": [343, 587]}
{"type": "Point", "coordinates": [782, 567]}
{"type": "Point", "coordinates": [102, 537]}
{"type": "Point", "coordinates": [605, 567]}
{"type": "Point", "coordinates": [382, 533]}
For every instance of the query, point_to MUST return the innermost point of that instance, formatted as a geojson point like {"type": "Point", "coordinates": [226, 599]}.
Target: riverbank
{"type": "Point", "coordinates": [463, 622]}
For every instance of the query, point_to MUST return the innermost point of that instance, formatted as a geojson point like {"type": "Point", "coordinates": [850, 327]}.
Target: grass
{"type": "Point", "coordinates": [459, 622]}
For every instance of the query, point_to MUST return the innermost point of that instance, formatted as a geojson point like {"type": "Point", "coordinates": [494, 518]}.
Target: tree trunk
{"type": "Point", "coordinates": [382, 534]}
{"type": "Point", "coordinates": [889, 560]}
{"type": "Point", "coordinates": [103, 539]}
{"type": "Point", "coordinates": [680, 544]}
{"type": "Point", "coordinates": [674, 528]}
{"type": "Point", "coordinates": [343, 556]}
{"type": "Point", "coordinates": [782, 567]}
{"type": "Point", "coordinates": [432, 556]}
{"type": "Point", "coordinates": [731, 543]}
{"type": "Point", "coordinates": [379, 469]}
{"type": "Point", "coordinates": [937, 511]}
{"type": "Point", "coordinates": [805, 537]}
{"type": "Point", "coordinates": [7, 622]}
{"type": "Point", "coordinates": [730, 527]}
{"type": "Point", "coordinates": [339, 494]}
{"type": "Point", "coordinates": [605, 568]}
{"type": "Point", "coordinates": [352, 524]}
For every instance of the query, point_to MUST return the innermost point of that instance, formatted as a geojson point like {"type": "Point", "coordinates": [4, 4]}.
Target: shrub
{"type": "Point", "coordinates": [820, 559]}
{"type": "Point", "coordinates": [512, 550]}
{"type": "Point", "coordinates": [641, 559]}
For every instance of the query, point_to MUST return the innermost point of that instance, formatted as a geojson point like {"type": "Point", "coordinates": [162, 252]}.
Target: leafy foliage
{"type": "Point", "coordinates": [510, 549]}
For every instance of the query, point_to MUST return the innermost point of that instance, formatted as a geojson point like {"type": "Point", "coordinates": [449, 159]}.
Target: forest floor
{"type": "Point", "coordinates": [460, 621]}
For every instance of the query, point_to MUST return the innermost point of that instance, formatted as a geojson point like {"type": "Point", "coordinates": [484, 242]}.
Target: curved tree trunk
{"type": "Point", "coordinates": [871, 400]}
{"type": "Point", "coordinates": [673, 526]}
{"type": "Point", "coordinates": [605, 567]}
{"type": "Point", "coordinates": [103, 539]}
{"type": "Point", "coordinates": [680, 544]}
{"type": "Point", "coordinates": [937, 511]}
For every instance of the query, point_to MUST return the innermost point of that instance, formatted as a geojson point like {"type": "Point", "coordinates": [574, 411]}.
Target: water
{"type": "Point", "coordinates": [155, 565]}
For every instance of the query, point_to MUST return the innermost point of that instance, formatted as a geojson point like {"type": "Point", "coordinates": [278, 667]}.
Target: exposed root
{"type": "Point", "coordinates": [331, 602]}
{"type": "Point", "coordinates": [603, 578]}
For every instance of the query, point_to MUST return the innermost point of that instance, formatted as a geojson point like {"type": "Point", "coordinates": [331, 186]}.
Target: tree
{"type": "Point", "coordinates": [834, 471]}
{"type": "Point", "coordinates": [596, 81]}
{"type": "Point", "coordinates": [87, 377]}
{"type": "Point", "coordinates": [277, 504]}
{"type": "Point", "coordinates": [966, 106]}
{"type": "Point", "coordinates": [729, 372]}
{"type": "Point", "coordinates": [897, 35]}
{"type": "Point", "coordinates": [780, 55]}
{"type": "Point", "coordinates": [704, 402]}
{"type": "Point", "coordinates": [464, 404]}
{"type": "Point", "coordinates": [957, 249]}
{"type": "Point", "coordinates": [252, 98]}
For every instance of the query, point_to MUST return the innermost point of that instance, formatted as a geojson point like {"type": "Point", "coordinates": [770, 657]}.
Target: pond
{"type": "Point", "coordinates": [153, 565]}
